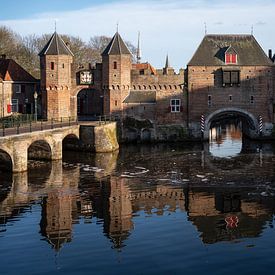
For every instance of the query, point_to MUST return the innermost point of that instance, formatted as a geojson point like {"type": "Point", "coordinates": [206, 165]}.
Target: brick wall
{"type": "Point", "coordinates": [255, 81]}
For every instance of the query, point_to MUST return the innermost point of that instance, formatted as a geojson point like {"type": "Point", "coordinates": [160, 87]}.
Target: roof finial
{"type": "Point", "coordinates": [138, 49]}
{"type": "Point", "coordinates": [55, 25]}
{"type": "Point", "coordinates": [252, 29]}
{"type": "Point", "coordinates": [117, 23]}
{"type": "Point", "coordinates": [205, 28]}
{"type": "Point", "coordinates": [167, 64]}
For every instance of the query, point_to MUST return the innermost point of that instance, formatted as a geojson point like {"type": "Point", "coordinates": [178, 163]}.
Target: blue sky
{"type": "Point", "coordinates": [175, 27]}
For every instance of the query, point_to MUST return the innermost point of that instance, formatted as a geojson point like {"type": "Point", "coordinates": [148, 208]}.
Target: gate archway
{"type": "Point", "coordinates": [249, 122]}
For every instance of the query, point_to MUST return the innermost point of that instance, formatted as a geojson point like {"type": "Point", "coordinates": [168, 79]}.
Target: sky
{"type": "Point", "coordinates": [173, 27]}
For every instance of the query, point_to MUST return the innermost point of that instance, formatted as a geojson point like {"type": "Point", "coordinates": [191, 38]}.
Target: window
{"type": "Point", "coordinates": [175, 105]}
{"type": "Point", "coordinates": [115, 102]}
{"type": "Point", "coordinates": [23, 88]}
{"type": "Point", "coordinates": [230, 58]}
{"type": "Point", "coordinates": [141, 72]}
{"type": "Point", "coordinates": [209, 100]}
{"type": "Point", "coordinates": [115, 65]}
{"type": "Point", "coordinates": [230, 98]}
{"type": "Point", "coordinates": [17, 88]}
{"type": "Point", "coordinates": [251, 99]}
{"type": "Point", "coordinates": [63, 65]}
{"type": "Point", "coordinates": [14, 105]}
{"type": "Point", "coordinates": [52, 65]}
{"type": "Point", "coordinates": [231, 78]}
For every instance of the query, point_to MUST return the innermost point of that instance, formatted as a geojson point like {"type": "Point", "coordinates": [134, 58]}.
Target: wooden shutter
{"type": "Point", "coordinates": [226, 77]}
{"type": "Point", "coordinates": [8, 108]}
{"type": "Point", "coordinates": [235, 77]}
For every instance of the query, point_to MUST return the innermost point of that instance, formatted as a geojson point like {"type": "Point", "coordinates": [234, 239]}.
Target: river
{"type": "Point", "coordinates": [147, 209]}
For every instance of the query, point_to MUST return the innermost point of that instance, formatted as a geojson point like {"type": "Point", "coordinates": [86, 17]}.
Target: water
{"type": "Point", "coordinates": [162, 209]}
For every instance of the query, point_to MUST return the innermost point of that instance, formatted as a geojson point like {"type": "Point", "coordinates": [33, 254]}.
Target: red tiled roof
{"type": "Point", "coordinates": [11, 71]}
{"type": "Point", "coordinates": [144, 66]}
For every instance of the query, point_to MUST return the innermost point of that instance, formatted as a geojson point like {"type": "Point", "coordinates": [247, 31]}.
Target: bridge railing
{"type": "Point", "coordinates": [107, 118]}
{"type": "Point", "coordinates": [19, 127]}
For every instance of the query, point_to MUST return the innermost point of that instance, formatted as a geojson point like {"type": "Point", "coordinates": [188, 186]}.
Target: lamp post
{"type": "Point", "coordinates": [35, 95]}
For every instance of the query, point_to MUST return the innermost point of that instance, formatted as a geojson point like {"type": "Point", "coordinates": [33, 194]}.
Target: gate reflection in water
{"type": "Point", "coordinates": [143, 210]}
{"type": "Point", "coordinates": [226, 139]}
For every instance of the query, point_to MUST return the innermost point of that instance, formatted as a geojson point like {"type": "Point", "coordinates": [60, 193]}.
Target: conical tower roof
{"type": "Point", "coordinates": [116, 46]}
{"type": "Point", "coordinates": [55, 46]}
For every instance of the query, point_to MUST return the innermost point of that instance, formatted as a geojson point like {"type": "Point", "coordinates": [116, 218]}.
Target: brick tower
{"type": "Point", "coordinates": [55, 65]}
{"type": "Point", "coordinates": [116, 75]}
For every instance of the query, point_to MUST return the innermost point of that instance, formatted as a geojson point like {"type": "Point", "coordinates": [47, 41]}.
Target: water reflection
{"type": "Point", "coordinates": [140, 189]}
{"type": "Point", "coordinates": [226, 139]}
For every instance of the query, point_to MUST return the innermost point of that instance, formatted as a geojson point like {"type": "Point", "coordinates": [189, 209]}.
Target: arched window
{"type": "Point", "coordinates": [115, 65]}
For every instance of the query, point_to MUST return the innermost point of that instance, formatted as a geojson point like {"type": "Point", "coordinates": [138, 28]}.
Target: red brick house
{"type": "Point", "coordinates": [17, 88]}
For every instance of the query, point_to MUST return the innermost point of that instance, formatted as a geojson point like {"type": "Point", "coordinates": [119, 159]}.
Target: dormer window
{"type": "Point", "coordinates": [230, 56]}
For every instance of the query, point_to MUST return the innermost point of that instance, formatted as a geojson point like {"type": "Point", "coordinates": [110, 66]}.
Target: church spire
{"type": "Point", "coordinates": [167, 64]}
{"type": "Point", "coordinates": [138, 49]}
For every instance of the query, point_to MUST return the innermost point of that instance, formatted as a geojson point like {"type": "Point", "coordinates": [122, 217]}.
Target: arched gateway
{"type": "Point", "coordinates": [250, 123]}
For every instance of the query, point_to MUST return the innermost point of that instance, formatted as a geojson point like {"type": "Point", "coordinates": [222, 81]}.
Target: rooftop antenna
{"type": "Point", "coordinates": [252, 30]}
{"type": "Point", "coordinates": [138, 49]}
{"type": "Point", "coordinates": [205, 28]}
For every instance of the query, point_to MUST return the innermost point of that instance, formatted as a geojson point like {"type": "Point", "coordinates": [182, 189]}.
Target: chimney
{"type": "Point", "coordinates": [270, 54]}
{"type": "Point", "coordinates": [3, 56]}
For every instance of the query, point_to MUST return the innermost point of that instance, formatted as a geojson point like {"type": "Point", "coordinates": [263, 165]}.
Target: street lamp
{"type": "Point", "coordinates": [35, 95]}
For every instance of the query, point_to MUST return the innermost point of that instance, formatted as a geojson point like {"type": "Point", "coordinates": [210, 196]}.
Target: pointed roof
{"type": "Point", "coordinates": [56, 46]}
{"type": "Point", "coordinates": [138, 49]}
{"type": "Point", "coordinates": [116, 46]}
{"type": "Point", "coordinates": [212, 49]}
{"type": "Point", "coordinates": [11, 71]}
{"type": "Point", "coordinates": [167, 64]}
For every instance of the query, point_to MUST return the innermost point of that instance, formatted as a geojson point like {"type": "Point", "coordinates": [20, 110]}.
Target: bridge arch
{"type": "Point", "coordinates": [40, 149]}
{"type": "Point", "coordinates": [70, 142]}
{"type": "Point", "coordinates": [6, 160]}
{"type": "Point", "coordinates": [250, 122]}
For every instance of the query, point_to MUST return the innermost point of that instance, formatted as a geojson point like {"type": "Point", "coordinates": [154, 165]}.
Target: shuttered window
{"type": "Point", "coordinates": [226, 77]}
{"type": "Point", "coordinates": [231, 77]}
{"type": "Point", "coordinates": [235, 77]}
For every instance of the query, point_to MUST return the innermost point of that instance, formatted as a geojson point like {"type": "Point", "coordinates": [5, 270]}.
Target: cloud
{"type": "Point", "coordinates": [173, 26]}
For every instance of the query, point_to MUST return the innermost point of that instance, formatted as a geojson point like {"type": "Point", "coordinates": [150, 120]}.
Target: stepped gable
{"type": "Point", "coordinates": [56, 46]}
{"type": "Point", "coordinates": [11, 71]}
{"type": "Point", "coordinates": [116, 46]}
{"type": "Point", "coordinates": [212, 49]}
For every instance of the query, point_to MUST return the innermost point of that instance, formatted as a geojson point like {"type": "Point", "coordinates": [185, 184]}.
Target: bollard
{"type": "Point", "coordinates": [3, 129]}
{"type": "Point", "coordinates": [41, 125]}
{"type": "Point", "coordinates": [52, 123]}
{"type": "Point", "coordinates": [69, 121]}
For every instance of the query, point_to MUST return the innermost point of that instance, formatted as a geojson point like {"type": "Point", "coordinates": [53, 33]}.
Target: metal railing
{"type": "Point", "coordinates": [20, 127]}
{"type": "Point", "coordinates": [107, 118]}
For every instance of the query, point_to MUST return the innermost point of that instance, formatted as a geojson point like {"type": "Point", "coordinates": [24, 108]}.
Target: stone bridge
{"type": "Point", "coordinates": [16, 150]}
{"type": "Point", "coordinates": [46, 144]}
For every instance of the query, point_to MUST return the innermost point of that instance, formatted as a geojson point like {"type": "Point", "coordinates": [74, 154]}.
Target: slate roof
{"type": "Point", "coordinates": [11, 71]}
{"type": "Point", "coordinates": [116, 46]}
{"type": "Point", "coordinates": [55, 46]}
{"type": "Point", "coordinates": [141, 97]}
{"type": "Point", "coordinates": [213, 47]}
